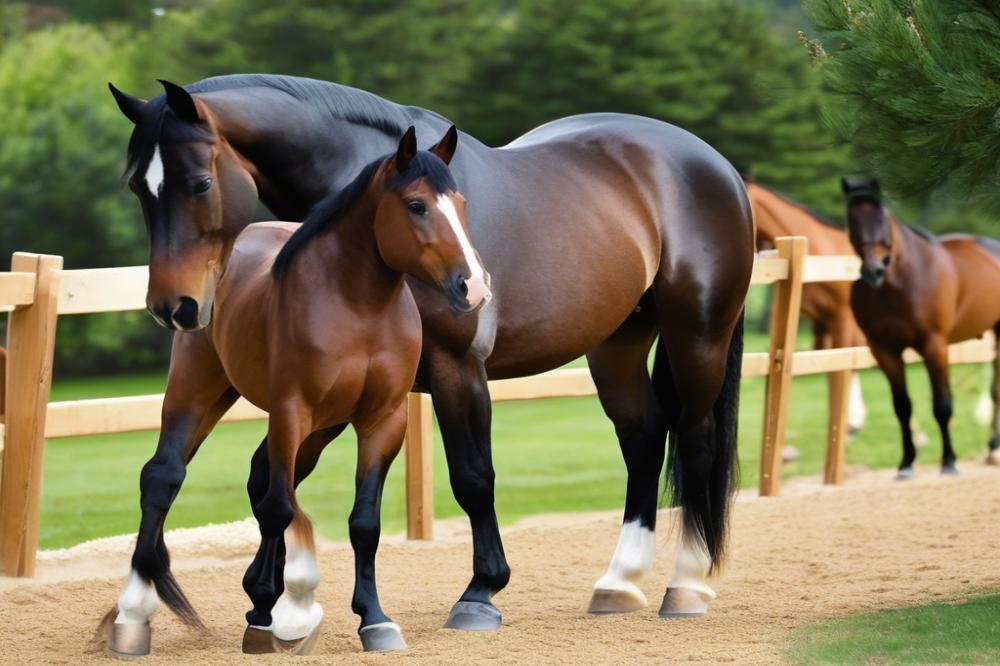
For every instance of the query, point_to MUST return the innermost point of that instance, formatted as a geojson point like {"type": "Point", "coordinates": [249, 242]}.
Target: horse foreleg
{"type": "Point", "coordinates": [197, 396]}
{"type": "Point", "coordinates": [935, 355]}
{"type": "Point", "coordinates": [993, 457]}
{"type": "Point", "coordinates": [264, 579]}
{"type": "Point", "coordinates": [628, 397]}
{"type": "Point", "coordinates": [378, 446]}
{"type": "Point", "coordinates": [295, 616]}
{"type": "Point", "coordinates": [462, 405]}
{"type": "Point", "coordinates": [891, 363]}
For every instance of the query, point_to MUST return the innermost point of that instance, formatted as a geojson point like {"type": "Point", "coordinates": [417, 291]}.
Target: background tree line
{"type": "Point", "coordinates": [731, 71]}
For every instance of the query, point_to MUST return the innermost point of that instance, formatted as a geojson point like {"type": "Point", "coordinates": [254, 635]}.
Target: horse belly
{"type": "Point", "coordinates": [978, 303]}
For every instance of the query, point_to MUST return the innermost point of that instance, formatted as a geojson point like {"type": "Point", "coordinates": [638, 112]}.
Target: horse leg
{"type": "Point", "coordinates": [263, 581]}
{"type": "Point", "coordinates": [295, 616]}
{"type": "Point", "coordinates": [705, 363]}
{"type": "Point", "coordinates": [198, 394]}
{"type": "Point", "coordinates": [993, 457]}
{"type": "Point", "coordinates": [618, 367]}
{"type": "Point", "coordinates": [891, 363]}
{"type": "Point", "coordinates": [378, 446]}
{"type": "Point", "coordinates": [462, 405]}
{"type": "Point", "coordinates": [935, 353]}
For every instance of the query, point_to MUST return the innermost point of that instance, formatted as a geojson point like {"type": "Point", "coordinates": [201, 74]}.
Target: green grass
{"type": "Point", "coordinates": [964, 633]}
{"type": "Point", "coordinates": [550, 455]}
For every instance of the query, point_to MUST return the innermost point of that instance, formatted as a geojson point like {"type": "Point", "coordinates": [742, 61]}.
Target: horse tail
{"type": "Point", "coordinates": [168, 589]}
{"type": "Point", "coordinates": [705, 495]}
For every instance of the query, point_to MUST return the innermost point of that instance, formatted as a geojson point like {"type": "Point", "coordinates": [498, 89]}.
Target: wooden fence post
{"type": "Point", "coordinates": [419, 467]}
{"type": "Point", "coordinates": [836, 439]}
{"type": "Point", "coordinates": [784, 328]}
{"type": "Point", "coordinates": [30, 342]}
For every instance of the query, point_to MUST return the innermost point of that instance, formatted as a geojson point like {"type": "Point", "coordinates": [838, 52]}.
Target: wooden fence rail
{"type": "Point", "coordinates": [39, 292]}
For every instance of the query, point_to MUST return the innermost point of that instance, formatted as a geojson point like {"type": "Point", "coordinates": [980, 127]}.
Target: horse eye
{"type": "Point", "coordinates": [416, 207]}
{"type": "Point", "coordinates": [203, 185]}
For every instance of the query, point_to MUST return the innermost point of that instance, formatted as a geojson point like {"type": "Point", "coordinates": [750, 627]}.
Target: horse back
{"type": "Point", "coordinates": [977, 265]}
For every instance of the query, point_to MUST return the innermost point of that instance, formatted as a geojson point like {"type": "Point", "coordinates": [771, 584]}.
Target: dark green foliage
{"type": "Point", "coordinates": [713, 67]}
{"type": "Point", "coordinates": [920, 90]}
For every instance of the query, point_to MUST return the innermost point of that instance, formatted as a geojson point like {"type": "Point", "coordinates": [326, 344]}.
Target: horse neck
{"type": "Point", "coordinates": [345, 258]}
{"type": "Point", "coordinates": [295, 152]}
{"type": "Point", "coordinates": [907, 248]}
{"type": "Point", "coordinates": [776, 217]}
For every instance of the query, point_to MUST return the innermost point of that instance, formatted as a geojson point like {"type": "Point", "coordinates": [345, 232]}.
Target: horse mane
{"type": "Point", "coordinates": [337, 101]}
{"type": "Point", "coordinates": [334, 206]}
{"type": "Point", "coordinates": [819, 217]}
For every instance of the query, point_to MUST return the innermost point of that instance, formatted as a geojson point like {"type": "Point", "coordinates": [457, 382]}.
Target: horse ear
{"type": "Point", "coordinates": [875, 187]}
{"type": "Point", "coordinates": [407, 149]}
{"type": "Point", "coordinates": [445, 148]}
{"type": "Point", "coordinates": [180, 101]}
{"type": "Point", "coordinates": [132, 107]}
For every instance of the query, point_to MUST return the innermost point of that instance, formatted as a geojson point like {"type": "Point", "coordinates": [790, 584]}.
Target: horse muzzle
{"type": "Point", "coordinates": [184, 314]}
{"type": "Point", "coordinates": [466, 295]}
{"type": "Point", "coordinates": [873, 276]}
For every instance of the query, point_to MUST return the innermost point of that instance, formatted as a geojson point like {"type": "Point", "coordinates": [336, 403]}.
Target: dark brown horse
{"type": "Point", "coordinates": [923, 292]}
{"type": "Point", "coordinates": [332, 337]}
{"type": "Point", "coordinates": [601, 232]}
{"type": "Point", "coordinates": [827, 304]}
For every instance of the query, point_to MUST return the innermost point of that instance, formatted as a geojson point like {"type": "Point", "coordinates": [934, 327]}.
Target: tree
{"type": "Point", "coordinates": [919, 90]}
{"type": "Point", "coordinates": [713, 67]}
{"type": "Point", "coordinates": [61, 161]}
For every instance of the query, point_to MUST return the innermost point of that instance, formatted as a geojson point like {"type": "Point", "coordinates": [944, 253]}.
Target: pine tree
{"type": "Point", "coordinates": [919, 90]}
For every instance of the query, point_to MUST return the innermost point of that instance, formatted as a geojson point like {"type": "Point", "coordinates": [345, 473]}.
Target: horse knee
{"type": "Point", "coordinates": [902, 405]}
{"type": "Point", "coordinates": [473, 488]}
{"type": "Point", "coordinates": [160, 481]}
{"type": "Point", "coordinates": [942, 410]}
{"type": "Point", "coordinates": [274, 512]}
{"type": "Point", "coordinates": [259, 479]}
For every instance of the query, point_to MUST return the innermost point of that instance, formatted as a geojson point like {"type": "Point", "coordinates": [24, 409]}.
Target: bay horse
{"type": "Point", "coordinates": [330, 335]}
{"type": "Point", "coordinates": [601, 231]}
{"type": "Point", "coordinates": [827, 304]}
{"type": "Point", "coordinates": [924, 292]}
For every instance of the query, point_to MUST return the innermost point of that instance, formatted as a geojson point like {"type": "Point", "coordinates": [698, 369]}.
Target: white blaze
{"type": "Point", "coordinates": [478, 289]}
{"type": "Point", "coordinates": [154, 172]}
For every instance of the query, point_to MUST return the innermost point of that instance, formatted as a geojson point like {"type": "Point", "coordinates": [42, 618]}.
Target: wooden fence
{"type": "Point", "coordinates": [39, 291]}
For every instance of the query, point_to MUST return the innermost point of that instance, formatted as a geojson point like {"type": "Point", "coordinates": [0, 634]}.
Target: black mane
{"type": "Point", "coordinates": [333, 206]}
{"type": "Point", "coordinates": [338, 101]}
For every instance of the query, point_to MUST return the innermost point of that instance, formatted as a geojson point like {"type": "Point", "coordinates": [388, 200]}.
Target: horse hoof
{"type": "Point", "coordinates": [129, 641]}
{"type": "Point", "coordinates": [616, 601]}
{"type": "Point", "coordinates": [382, 637]}
{"type": "Point", "coordinates": [299, 647]}
{"type": "Point", "coordinates": [789, 453]}
{"type": "Point", "coordinates": [949, 470]}
{"type": "Point", "coordinates": [678, 602]}
{"type": "Point", "coordinates": [905, 474]}
{"type": "Point", "coordinates": [473, 616]}
{"type": "Point", "coordinates": [993, 457]}
{"type": "Point", "coordinates": [257, 641]}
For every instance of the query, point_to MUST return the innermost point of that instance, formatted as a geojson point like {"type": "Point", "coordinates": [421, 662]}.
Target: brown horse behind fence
{"type": "Point", "coordinates": [924, 292]}
{"type": "Point", "coordinates": [827, 304]}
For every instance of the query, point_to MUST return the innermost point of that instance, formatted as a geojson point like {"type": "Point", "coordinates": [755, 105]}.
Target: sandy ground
{"type": "Point", "coordinates": [813, 553]}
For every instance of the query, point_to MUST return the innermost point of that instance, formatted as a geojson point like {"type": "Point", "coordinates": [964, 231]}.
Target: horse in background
{"type": "Point", "coordinates": [827, 304]}
{"type": "Point", "coordinates": [923, 292]}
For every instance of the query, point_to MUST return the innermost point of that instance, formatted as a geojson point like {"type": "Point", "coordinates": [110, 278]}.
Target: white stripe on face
{"type": "Point", "coordinates": [478, 289]}
{"type": "Point", "coordinates": [154, 172]}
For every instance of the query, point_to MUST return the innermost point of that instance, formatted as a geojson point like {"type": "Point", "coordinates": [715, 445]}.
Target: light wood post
{"type": "Point", "coordinates": [419, 467]}
{"type": "Point", "coordinates": [784, 328]}
{"type": "Point", "coordinates": [30, 342]}
{"type": "Point", "coordinates": [836, 439]}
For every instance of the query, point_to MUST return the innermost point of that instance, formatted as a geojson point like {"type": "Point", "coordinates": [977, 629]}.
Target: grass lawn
{"type": "Point", "coordinates": [550, 455]}
{"type": "Point", "coordinates": [964, 633]}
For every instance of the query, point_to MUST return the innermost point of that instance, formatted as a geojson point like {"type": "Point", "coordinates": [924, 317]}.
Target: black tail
{"type": "Point", "coordinates": [157, 571]}
{"type": "Point", "coordinates": [703, 485]}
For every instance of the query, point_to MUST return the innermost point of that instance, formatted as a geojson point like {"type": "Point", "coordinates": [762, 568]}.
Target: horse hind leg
{"type": "Point", "coordinates": [705, 364]}
{"type": "Point", "coordinates": [993, 457]}
{"type": "Point", "coordinates": [618, 367]}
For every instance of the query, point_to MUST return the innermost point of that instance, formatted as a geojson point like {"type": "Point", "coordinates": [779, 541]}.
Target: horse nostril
{"type": "Point", "coordinates": [885, 261]}
{"type": "Point", "coordinates": [161, 313]}
{"type": "Point", "coordinates": [186, 313]}
{"type": "Point", "coordinates": [463, 287]}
